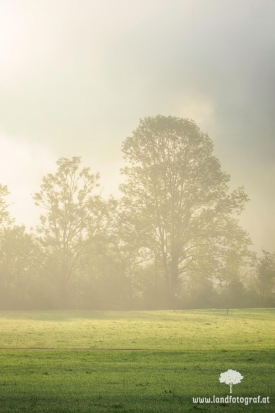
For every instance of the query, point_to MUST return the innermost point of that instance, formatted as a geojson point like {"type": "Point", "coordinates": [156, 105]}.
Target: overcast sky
{"type": "Point", "coordinates": [77, 75]}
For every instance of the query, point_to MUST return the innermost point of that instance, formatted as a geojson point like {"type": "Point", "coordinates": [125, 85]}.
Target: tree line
{"type": "Point", "coordinates": [172, 240]}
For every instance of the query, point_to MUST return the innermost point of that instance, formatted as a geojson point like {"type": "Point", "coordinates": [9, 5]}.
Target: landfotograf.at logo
{"type": "Point", "coordinates": [231, 377]}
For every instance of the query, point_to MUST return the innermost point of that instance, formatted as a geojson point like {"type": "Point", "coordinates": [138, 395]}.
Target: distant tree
{"type": "Point", "coordinates": [73, 216]}
{"type": "Point", "coordinates": [18, 258]}
{"type": "Point", "coordinates": [20, 264]}
{"type": "Point", "coordinates": [233, 272]}
{"type": "Point", "coordinates": [104, 283]}
{"type": "Point", "coordinates": [5, 218]}
{"type": "Point", "coordinates": [266, 276]}
{"type": "Point", "coordinates": [177, 207]}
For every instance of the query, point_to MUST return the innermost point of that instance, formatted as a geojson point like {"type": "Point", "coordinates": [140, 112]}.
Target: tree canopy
{"type": "Point", "coordinates": [177, 203]}
{"type": "Point", "coordinates": [73, 216]}
{"type": "Point", "coordinates": [172, 240]}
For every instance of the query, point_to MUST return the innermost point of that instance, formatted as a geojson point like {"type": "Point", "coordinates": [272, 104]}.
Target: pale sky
{"type": "Point", "coordinates": [77, 75]}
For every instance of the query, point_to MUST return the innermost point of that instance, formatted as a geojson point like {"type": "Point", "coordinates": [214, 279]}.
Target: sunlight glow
{"type": "Point", "coordinates": [12, 27]}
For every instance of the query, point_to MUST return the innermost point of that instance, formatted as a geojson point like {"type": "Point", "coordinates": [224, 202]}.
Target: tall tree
{"type": "Point", "coordinates": [177, 206]}
{"type": "Point", "coordinates": [73, 216]}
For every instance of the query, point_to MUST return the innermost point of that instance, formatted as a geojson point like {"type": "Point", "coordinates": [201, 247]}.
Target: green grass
{"type": "Point", "coordinates": [183, 355]}
{"type": "Point", "coordinates": [148, 330]}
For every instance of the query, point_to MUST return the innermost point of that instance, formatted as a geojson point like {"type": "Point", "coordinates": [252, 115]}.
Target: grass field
{"type": "Point", "coordinates": [135, 361]}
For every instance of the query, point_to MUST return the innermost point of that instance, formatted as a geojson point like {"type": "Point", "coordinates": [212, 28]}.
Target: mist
{"type": "Point", "coordinates": [76, 77]}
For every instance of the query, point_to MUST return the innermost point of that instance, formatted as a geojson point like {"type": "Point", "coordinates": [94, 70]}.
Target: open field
{"type": "Point", "coordinates": [147, 330]}
{"type": "Point", "coordinates": [183, 355]}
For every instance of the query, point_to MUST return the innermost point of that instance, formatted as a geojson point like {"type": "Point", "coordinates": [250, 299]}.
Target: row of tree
{"type": "Point", "coordinates": [171, 241]}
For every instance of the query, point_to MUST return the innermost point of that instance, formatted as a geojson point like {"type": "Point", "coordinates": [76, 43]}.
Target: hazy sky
{"type": "Point", "coordinates": [77, 75]}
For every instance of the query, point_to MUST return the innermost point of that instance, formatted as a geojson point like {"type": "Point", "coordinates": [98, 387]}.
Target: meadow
{"type": "Point", "coordinates": [147, 361]}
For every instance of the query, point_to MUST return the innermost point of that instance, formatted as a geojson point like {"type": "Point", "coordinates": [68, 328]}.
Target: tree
{"type": "Point", "coordinates": [231, 377]}
{"type": "Point", "coordinates": [266, 275]}
{"type": "Point", "coordinates": [176, 201]}
{"type": "Point", "coordinates": [5, 219]}
{"type": "Point", "coordinates": [74, 215]}
{"type": "Point", "coordinates": [104, 283]}
{"type": "Point", "coordinates": [20, 258]}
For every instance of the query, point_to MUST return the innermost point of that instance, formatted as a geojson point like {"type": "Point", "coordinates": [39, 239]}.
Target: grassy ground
{"type": "Point", "coordinates": [184, 354]}
{"type": "Point", "coordinates": [166, 330]}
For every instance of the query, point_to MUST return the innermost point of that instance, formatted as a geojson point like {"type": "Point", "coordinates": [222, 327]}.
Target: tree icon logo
{"type": "Point", "coordinates": [231, 377]}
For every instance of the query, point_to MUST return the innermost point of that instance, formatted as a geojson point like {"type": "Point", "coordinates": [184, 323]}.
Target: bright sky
{"type": "Point", "coordinates": [77, 75]}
